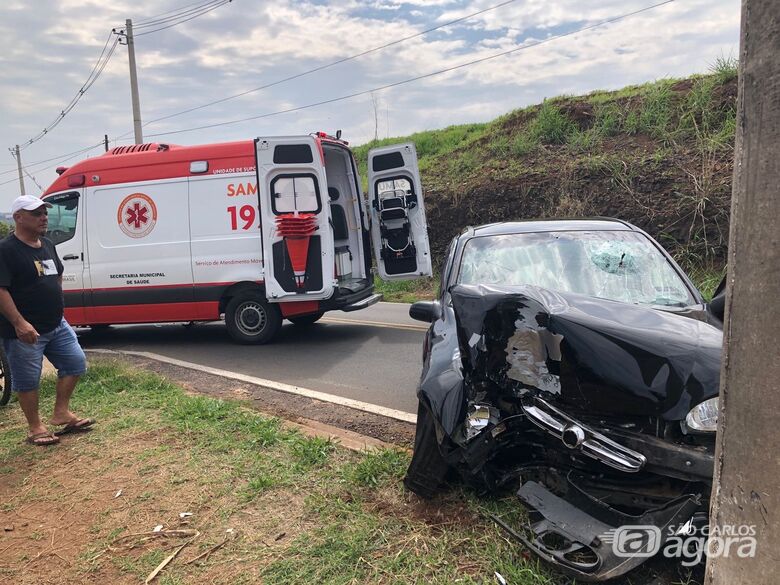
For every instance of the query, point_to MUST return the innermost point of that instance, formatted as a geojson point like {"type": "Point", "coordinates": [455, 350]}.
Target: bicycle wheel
{"type": "Point", "coordinates": [5, 379]}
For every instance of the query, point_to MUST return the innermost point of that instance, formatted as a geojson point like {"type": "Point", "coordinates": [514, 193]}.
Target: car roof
{"type": "Point", "coordinates": [550, 225]}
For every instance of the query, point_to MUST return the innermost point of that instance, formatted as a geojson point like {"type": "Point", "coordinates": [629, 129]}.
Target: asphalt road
{"type": "Point", "coordinates": [371, 355]}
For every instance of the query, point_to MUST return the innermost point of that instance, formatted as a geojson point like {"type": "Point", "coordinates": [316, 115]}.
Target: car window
{"type": "Point", "coordinates": [62, 217]}
{"type": "Point", "coordinates": [617, 265]}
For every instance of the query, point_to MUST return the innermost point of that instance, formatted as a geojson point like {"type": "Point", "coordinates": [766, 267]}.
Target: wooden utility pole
{"type": "Point", "coordinates": [746, 490]}
{"type": "Point", "coordinates": [139, 136]}
{"type": "Point", "coordinates": [19, 168]}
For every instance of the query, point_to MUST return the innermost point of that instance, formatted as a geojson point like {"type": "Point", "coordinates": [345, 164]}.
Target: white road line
{"type": "Point", "coordinates": [408, 327]}
{"type": "Point", "coordinates": [333, 399]}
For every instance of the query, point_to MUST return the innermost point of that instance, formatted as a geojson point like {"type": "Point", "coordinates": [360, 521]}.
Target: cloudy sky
{"type": "Point", "coordinates": [48, 48]}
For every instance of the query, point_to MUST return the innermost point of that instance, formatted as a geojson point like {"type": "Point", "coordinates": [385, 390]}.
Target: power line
{"type": "Point", "coordinates": [37, 184]}
{"type": "Point", "coordinates": [419, 77]}
{"type": "Point", "coordinates": [337, 62]}
{"type": "Point", "coordinates": [104, 58]}
{"type": "Point", "coordinates": [61, 160]}
{"type": "Point", "coordinates": [200, 13]}
{"type": "Point", "coordinates": [203, 8]}
{"type": "Point", "coordinates": [181, 10]}
{"type": "Point", "coordinates": [94, 74]}
{"type": "Point", "coordinates": [60, 157]}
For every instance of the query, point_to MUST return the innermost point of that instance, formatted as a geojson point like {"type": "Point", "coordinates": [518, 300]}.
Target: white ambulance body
{"type": "Point", "coordinates": [257, 231]}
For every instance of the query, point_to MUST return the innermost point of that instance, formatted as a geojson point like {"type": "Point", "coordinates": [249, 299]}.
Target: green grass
{"type": "Point", "coordinates": [306, 510]}
{"type": "Point", "coordinates": [430, 145]}
{"type": "Point", "coordinates": [407, 291]}
{"type": "Point", "coordinates": [706, 278]}
{"type": "Point", "coordinates": [550, 126]}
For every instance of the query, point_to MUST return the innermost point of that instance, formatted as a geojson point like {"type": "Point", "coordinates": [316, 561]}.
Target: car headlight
{"type": "Point", "coordinates": [704, 416]}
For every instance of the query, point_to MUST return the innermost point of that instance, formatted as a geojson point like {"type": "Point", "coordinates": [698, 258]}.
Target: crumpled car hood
{"type": "Point", "coordinates": [595, 355]}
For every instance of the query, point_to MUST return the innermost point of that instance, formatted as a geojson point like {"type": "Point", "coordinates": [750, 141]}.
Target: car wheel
{"type": "Point", "coordinates": [252, 319]}
{"type": "Point", "coordinates": [5, 379]}
{"type": "Point", "coordinates": [305, 320]}
{"type": "Point", "coordinates": [428, 468]}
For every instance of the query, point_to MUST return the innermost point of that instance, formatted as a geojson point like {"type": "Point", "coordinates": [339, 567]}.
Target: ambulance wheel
{"type": "Point", "coordinates": [252, 319]}
{"type": "Point", "coordinates": [305, 320]}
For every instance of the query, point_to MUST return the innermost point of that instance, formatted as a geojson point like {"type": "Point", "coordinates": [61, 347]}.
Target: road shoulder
{"type": "Point", "coordinates": [352, 427]}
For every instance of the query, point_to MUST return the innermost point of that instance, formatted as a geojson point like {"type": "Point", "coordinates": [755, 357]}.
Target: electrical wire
{"type": "Point", "coordinates": [62, 160]}
{"type": "Point", "coordinates": [60, 157]}
{"type": "Point", "coordinates": [104, 58]}
{"type": "Point", "coordinates": [201, 13]}
{"type": "Point", "coordinates": [94, 74]}
{"type": "Point", "coordinates": [37, 184]}
{"type": "Point", "coordinates": [419, 77]}
{"type": "Point", "coordinates": [178, 11]}
{"type": "Point", "coordinates": [179, 15]}
{"type": "Point", "coordinates": [213, 4]}
{"type": "Point", "coordinates": [326, 66]}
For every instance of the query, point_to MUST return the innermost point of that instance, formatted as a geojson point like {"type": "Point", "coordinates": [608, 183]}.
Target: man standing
{"type": "Point", "coordinates": [32, 323]}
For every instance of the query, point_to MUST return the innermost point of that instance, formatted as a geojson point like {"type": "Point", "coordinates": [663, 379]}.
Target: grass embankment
{"type": "Point", "coordinates": [659, 155]}
{"type": "Point", "coordinates": [302, 510]}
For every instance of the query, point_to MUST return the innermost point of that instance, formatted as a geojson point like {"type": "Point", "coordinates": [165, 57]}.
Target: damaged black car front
{"type": "Point", "coordinates": [576, 360]}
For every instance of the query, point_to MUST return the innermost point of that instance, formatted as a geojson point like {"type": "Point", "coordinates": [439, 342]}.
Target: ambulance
{"type": "Point", "coordinates": [254, 232]}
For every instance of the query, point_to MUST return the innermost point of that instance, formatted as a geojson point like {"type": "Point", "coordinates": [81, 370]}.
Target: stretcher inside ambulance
{"type": "Point", "coordinates": [254, 232]}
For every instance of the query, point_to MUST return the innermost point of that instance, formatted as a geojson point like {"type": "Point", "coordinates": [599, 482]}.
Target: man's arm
{"type": "Point", "coordinates": [24, 331]}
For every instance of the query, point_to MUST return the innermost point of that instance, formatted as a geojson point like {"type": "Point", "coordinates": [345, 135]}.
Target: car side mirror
{"type": "Point", "coordinates": [717, 306]}
{"type": "Point", "coordinates": [427, 311]}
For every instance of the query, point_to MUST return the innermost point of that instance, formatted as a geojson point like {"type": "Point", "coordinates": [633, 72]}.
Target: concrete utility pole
{"type": "Point", "coordinates": [19, 167]}
{"type": "Point", "coordinates": [139, 137]}
{"type": "Point", "coordinates": [746, 489]}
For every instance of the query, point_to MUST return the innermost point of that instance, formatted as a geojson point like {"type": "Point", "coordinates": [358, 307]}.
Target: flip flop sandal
{"type": "Point", "coordinates": [42, 439]}
{"type": "Point", "coordinates": [82, 425]}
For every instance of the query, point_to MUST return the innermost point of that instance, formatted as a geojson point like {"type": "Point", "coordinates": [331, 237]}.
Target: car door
{"type": "Point", "coordinates": [66, 230]}
{"type": "Point", "coordinates": [399, 230]}
{"type": "Point", "coordinates": [295, 217]}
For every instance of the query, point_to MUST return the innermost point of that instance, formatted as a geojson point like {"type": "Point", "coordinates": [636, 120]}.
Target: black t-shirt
{"type": "Point", "coordinates": [31, 275]}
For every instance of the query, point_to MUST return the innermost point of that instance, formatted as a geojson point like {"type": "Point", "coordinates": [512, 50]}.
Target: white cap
{"type": "Point", "coordinates": [28, 203]}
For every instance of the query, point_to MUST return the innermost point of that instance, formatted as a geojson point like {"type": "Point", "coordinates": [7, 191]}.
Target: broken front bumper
{"type": "Point", "coordinates": [588, 540]}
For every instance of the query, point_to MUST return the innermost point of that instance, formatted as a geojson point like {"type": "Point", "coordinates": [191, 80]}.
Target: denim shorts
{"type": "Point", "coordinates": [60, 346]}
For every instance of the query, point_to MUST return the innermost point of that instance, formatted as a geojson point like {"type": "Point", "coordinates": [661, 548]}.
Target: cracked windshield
{"type": "Point", "coordinates": [620, 266]}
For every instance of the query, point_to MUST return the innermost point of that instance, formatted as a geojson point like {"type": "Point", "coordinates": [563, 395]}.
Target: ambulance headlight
{"type": "Point", "coordinates": [703, 417]}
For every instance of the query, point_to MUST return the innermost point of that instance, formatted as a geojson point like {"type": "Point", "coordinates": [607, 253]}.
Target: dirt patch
{"type": "Point", "coordinates": [682, 86]}
{"type": "Point", "coordinates": [581, 113]}
{"type": "Point", "coordinates": [85, 512]}
{"type": "Point", "coordinates": [53, 506]}
{"type": "Point", "coordinates": [296, 409]}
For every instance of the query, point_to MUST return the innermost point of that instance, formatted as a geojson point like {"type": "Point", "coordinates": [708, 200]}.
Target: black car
{"type": "Point", "coordinates": [573, 358]}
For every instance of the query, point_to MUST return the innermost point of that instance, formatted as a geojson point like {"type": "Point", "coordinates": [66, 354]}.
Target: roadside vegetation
{"type": "Point", "coordinates": [260, 503]}
{"type": "Point", "coordinates": [407, 291]}
{"type": "Point", "coordinates": [659, 155]}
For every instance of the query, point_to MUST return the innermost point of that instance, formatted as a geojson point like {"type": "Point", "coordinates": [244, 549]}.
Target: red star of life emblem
{"type": "Point", "coordinates": [137, 215]}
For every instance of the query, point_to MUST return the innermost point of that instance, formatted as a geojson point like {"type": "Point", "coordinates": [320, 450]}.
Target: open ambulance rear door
{"type": "Point", "coordinates": [398, 227]}
{"type": "Point", "coordinates": [295, 219]}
